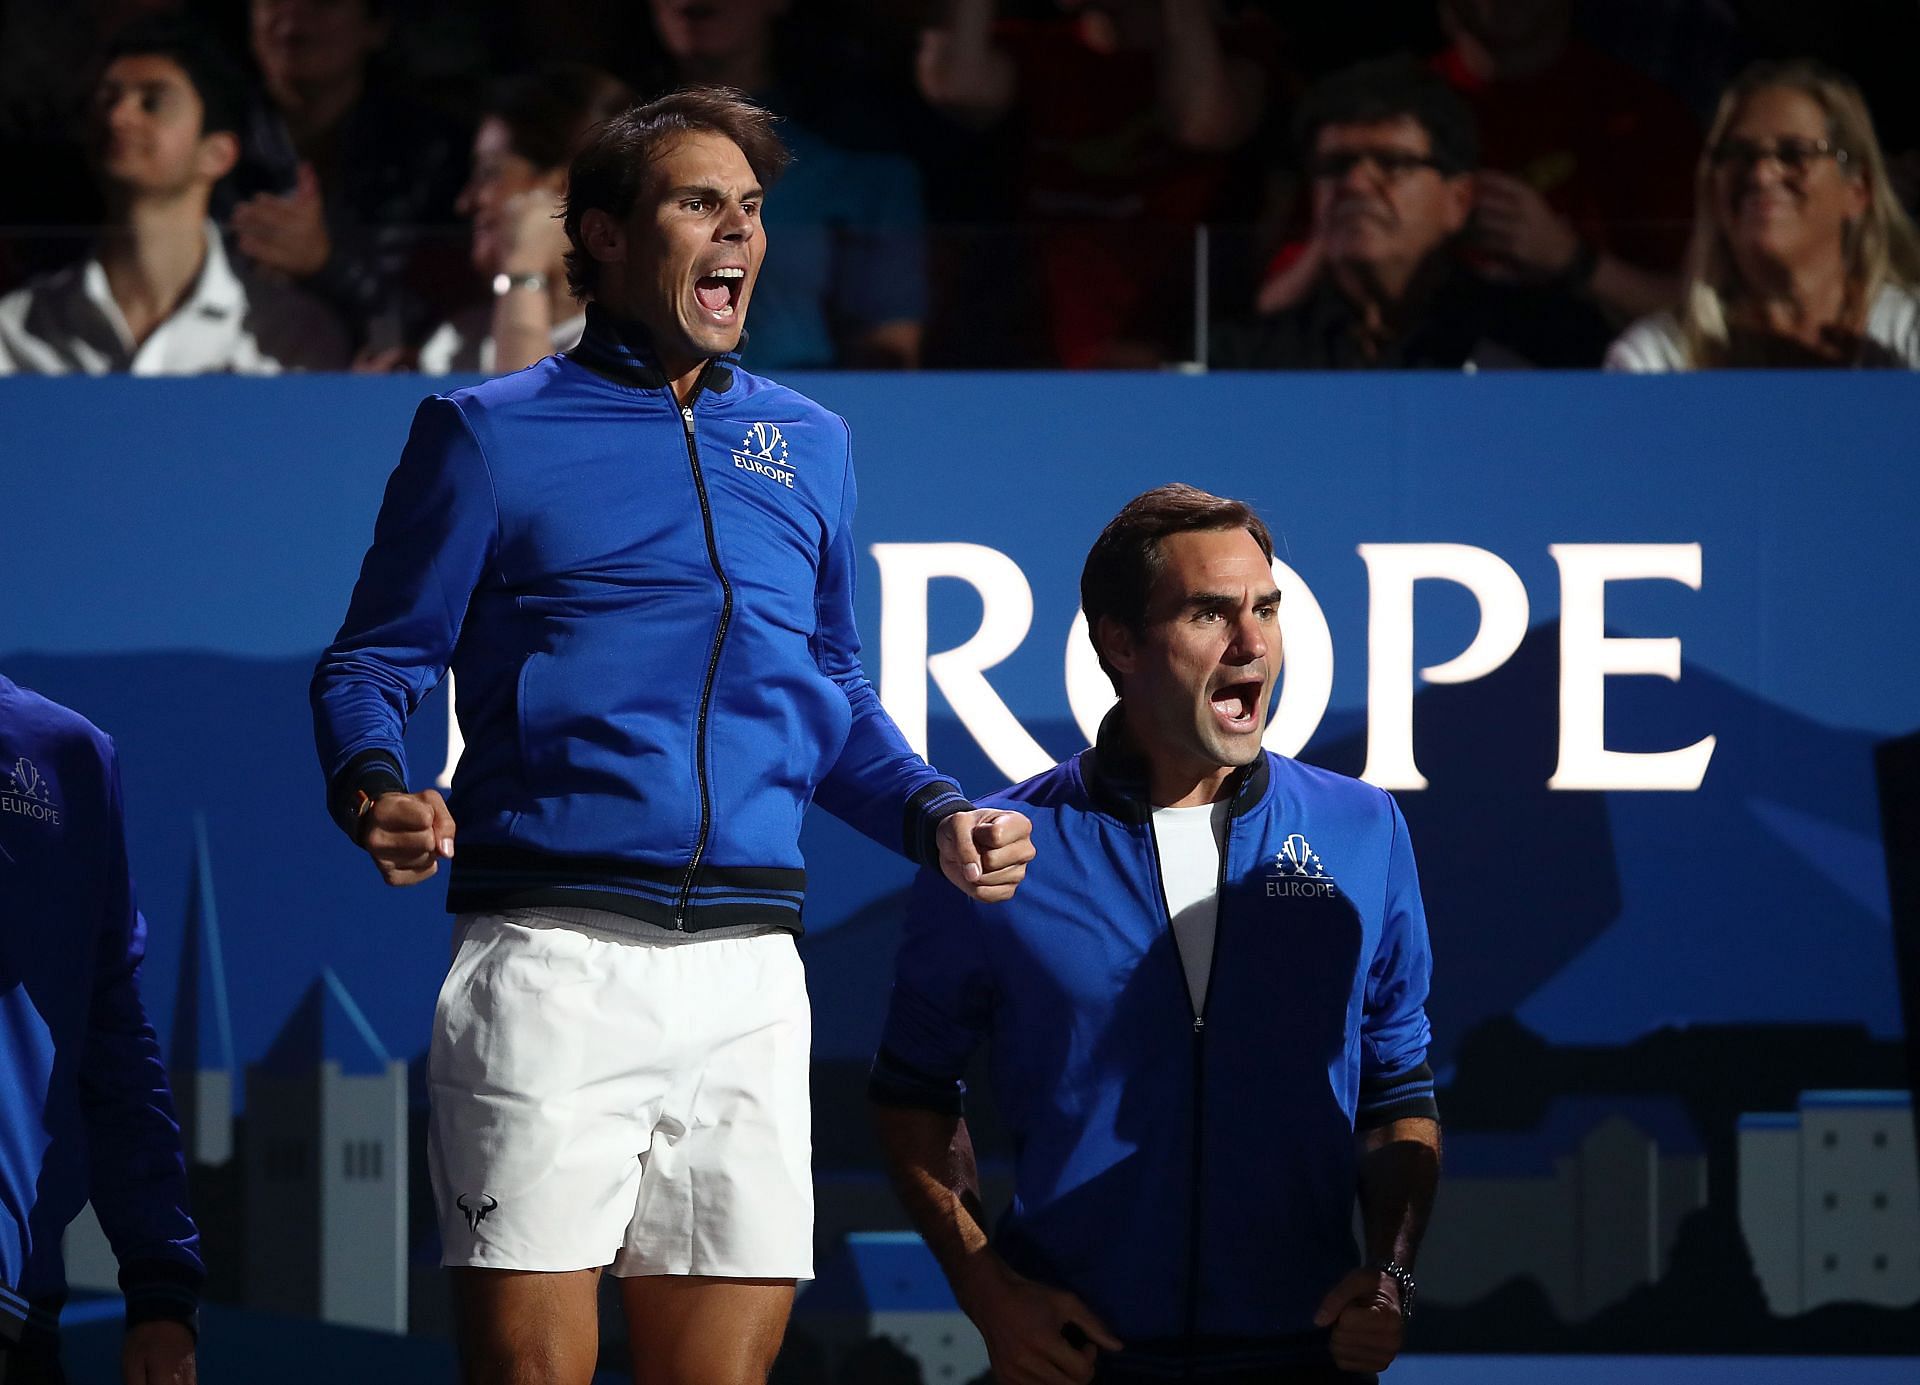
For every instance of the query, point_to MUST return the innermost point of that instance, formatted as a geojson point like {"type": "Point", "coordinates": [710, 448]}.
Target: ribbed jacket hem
{"type": "Point", "coordinates": [490, 879]}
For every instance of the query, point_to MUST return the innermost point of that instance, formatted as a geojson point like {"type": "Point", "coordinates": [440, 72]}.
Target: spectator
{"type": "Point", "coordinates": [1587, 161]}
{"type": "Point", "coordinates": [84, 1103]}
{"type": "Point", "coordinates": [848, 286]}
{"type": "Point", "coordinates": [1801, 254]}
{"type": "Point", "coordinates": [1391, 151]}
{"type": "Point", "coordinates": [344, 166]}
{"type": "Point", "coordinates": [527, 137]}
{"type": "Point", "coordinates": [157, 295]}
{"type": "Point", "coordinates": [1129, 107]}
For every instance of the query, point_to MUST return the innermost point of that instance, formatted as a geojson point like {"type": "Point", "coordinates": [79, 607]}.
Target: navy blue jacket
{"type": "Point", "coordinates": [648, 611]}
{"type": "Point", "coordinates": [85, 1111]}
{"type": "Point", "coordinates": [1191, 1177]}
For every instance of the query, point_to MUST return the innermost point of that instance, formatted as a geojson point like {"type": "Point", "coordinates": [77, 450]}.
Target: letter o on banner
{"type": "Point", "coordinates": [1306, 670]}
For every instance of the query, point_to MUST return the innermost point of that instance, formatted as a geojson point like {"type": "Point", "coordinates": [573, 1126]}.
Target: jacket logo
{"type": "Point", "coordinates": [25, 794]}
{"type": "Point", "coordinates": [475, 1209]}
{"type": "Point", "coordinates": [1296, 872]}
{"type": "Point", "coordinates": [763, 451]}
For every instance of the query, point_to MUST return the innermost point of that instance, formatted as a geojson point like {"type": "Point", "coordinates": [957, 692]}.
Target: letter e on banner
{"type": "Point", "coordinates": [1588, 655]}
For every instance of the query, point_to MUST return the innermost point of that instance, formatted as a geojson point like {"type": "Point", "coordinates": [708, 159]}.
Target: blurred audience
{"type": "Point", "coordinates": [529, 130]}
{"type": "Point", "coordinates": [847, 284]}
{"type": "Point", "coordinates": [1127, 109]}
{"type": "Point", "coordinates": [1587, 162]}
{"type": "Point", "coordinates": [1391, 150]}
{"type": "Point", "coordinates": [1095, 173]}
{"type": "Point", "coordinates": [1801, 255]}
{"type": "Point", "coordinates": [157, 295]}
{"type": "Point", "coordinates": [345, 166]}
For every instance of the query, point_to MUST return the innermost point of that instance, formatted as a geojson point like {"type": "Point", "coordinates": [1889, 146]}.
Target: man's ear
{"type": "Point", "coordinates": [1116, 642]}
{"type": "Point", "coordinates": [219, 152]}
{"type": "Point", "coordinates": [603, 236]}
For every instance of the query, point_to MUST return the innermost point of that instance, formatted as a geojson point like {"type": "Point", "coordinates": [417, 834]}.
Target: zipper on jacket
{"type": "Point", "coordinates": [713, 663]}
{"type": "Point", "coordinates": [1199, 1031]}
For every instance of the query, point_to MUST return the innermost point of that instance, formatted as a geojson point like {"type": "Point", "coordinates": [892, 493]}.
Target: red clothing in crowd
{"type": "Point", "coordinates": [1611, 150]}
{"type": "Point", "coordinates": [1118, 198]}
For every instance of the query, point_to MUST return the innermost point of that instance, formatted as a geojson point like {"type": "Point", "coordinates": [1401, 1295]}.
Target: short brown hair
{"type": "Point", "coordinates": [611, 167]}
{"type": "Point", "coordinates": [1126, 560]}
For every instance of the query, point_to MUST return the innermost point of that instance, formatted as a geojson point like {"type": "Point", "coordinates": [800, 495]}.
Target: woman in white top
{"type": "Point", "coordinates": [1801, 256]}
{"type": "Point", "coordinates": [521, 152]}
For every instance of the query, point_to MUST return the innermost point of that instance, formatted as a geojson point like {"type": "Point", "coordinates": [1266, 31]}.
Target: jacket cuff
{"type": "Point", "coordinates": [1385, 1098]}
{"type": "Point", "coordinates": [372, 772]}
{"type": "Point", "coordinates": [926, 809]}
{"type": "Point", "coordinates": [161, 1291]}
{"type": "Point", "coordinates": [895, 1082]}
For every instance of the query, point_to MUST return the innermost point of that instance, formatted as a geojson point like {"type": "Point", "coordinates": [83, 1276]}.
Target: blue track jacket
{"type": "Point", "coordinates": [648, 611]}
{"type": "Point", "coordinates": [1191, 1177]}
{"type": "Point", "coordinates": [85, 1110]}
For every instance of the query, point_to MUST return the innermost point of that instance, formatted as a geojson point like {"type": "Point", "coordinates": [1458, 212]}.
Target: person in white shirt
{"type": "Point", "coordinates": [1801, 254]}
{"type": "Point", "coordinates": [526, 139]}
{"type": "Point", "coordinates": [157, 294]}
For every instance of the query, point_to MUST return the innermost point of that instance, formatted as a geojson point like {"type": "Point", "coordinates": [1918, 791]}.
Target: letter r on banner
{"type": "Point", "coordinates": [906, 571]}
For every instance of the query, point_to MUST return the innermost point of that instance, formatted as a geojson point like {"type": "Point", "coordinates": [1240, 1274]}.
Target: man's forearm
{"type": "Point", "coordinates": [1399, 1171]}
{"type": "Point", "coordinates": [1212, 98]}
{"type": "Point", "coordinates": [930, 1159]}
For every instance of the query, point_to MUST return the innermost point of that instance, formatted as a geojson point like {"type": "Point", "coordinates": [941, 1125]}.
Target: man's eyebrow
{"type": "Point", "coordinates": [710, 193]}
{"type": "Point", "coordinates": [1206, 601]}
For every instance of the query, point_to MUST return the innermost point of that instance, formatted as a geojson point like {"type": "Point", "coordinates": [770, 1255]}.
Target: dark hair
{"type": "Point", "coordinates": [550, 111]}
{"type": "Point", "coordinates": [1387, 89]}
{"type": "Point", "coordinates": [611, 167]}
{"type": "Point", "coordinates": [216, 76]}
{"type": "Point", "coordinates": [1126, 560]}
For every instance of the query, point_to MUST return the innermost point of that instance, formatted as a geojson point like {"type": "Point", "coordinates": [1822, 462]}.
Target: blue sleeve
{"type": "Point", "coordinates": [879, 254]}
{"type": "Point", "coordinates": [942, 1003]}
{"type": "Point", "coordinates": [1395, 1079]}
{"type": "Point", "coordinates": [435, 537]}
{"type": "Point", "coordinates": [878, 785]}
{"type": "Point", "coordinates": [137, 1173]}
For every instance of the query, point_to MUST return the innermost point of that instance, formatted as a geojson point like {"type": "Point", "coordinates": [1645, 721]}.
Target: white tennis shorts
{"type": "Point", "coordinates": [604, 1099]}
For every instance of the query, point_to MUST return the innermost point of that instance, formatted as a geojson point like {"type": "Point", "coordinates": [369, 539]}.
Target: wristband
{"type": "Point", "coordinates": [504, 284]}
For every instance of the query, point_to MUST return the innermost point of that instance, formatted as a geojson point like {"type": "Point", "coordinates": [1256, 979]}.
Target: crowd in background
{"type": "Point", "coordinates": [258, 185]}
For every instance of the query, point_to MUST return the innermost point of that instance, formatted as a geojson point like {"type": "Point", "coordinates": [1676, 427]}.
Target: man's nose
{"type": "Point", "coordinates": [736, 225]}
{"type": "Point", "coordinates": [1249, 640]}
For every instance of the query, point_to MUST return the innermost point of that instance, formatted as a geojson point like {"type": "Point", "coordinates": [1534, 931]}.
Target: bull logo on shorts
{"type": "Point", "coordinates": [476, 1210]}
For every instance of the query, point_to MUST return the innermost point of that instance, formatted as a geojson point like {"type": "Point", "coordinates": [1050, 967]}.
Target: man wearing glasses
{"type": "Point", "coordinates": [1390, 153]}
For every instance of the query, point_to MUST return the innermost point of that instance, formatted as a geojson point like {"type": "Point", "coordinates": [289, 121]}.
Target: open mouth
{"type": "Point", "coordinates": [1237, 704]}
{"type": "Point", "coordinates": [718, 293]}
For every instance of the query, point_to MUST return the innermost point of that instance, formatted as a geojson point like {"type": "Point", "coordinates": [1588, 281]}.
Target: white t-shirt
{"type": "Point", "coordinates": [463, 344]}
{"type": "Point", "coordinates": [67, 323]}
{"type": "Point", "coordinates": [1188, 840]}
{"type": "Point", "coordinates": [1653, 344]}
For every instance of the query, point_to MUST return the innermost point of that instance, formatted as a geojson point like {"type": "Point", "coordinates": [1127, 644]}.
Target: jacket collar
{"type": "Point", "coordinates": [1115, 773]}
{"type": "Point", "coordinates": [623, 351]}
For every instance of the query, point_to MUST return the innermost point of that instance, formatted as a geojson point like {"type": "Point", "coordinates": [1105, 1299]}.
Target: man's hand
{"type": "Point", "coordinates": [985, 853]}
{"type": "Point", "coordinates": [158, 1353]}
{"type": "Point", "coordinates": [1364, 1311]}
{"type": "Point", "coordinates": [285, 233]}
{"type": "Point", "coordinates": [1513, 223]}
{"type": "Point", "coordinates": [407, 834]}
{"type": "Point", "coordinates": [1036, 1335]}
{"type": "Point", "coordinates": [534, 233]}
